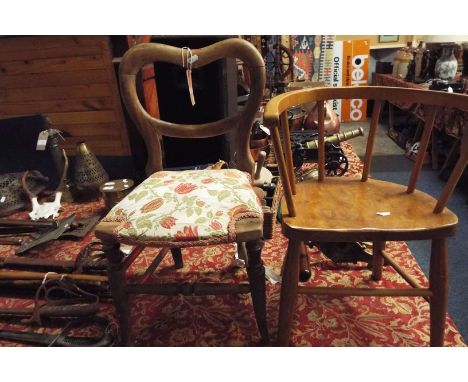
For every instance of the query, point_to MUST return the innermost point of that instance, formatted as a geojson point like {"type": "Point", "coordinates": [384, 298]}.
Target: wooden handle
{"type": "Point", "coordinates": [28, 223]}
{"type": "Point", "coordinates": [4, 241]}
{"type": "Point", "coordinates": [24, 275]}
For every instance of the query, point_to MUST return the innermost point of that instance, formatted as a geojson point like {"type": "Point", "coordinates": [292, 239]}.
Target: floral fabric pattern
{"type": "Point", "coordinates": [193, 206]}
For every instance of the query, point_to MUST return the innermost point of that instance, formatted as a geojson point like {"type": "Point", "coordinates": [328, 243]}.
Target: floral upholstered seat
{"type": "Point", "coordinates": [186, 208]}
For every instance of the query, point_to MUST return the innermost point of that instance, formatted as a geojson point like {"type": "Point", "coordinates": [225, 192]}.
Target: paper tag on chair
{"type": "Point", "coordinates": [192, 59]}
{"type": "Point", "coordinates": [187, 60]}
{"type": "Point", "coordinates": [383, 213]}
{"type": "Point", "coordinates": [188, 73]}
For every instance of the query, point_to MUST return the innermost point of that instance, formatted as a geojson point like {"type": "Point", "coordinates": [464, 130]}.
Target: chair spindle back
{"type": "Point", "coordinates": [433, 101]}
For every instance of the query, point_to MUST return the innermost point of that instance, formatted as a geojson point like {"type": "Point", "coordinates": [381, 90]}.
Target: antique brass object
{"type": "Point", "coordinates": [89, 174]}
{"type": "Point", "coordinates": [115, 190]}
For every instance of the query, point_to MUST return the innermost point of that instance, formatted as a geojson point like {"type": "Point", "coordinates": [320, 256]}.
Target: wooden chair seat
{"type": "Point", "coordinates": [353, 210]}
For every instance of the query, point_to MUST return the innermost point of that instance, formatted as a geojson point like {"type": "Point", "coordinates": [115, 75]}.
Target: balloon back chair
{"type": "Point", "coordinates": [376, 211]}
{"type": "Point", "coordinates": [176, 209]}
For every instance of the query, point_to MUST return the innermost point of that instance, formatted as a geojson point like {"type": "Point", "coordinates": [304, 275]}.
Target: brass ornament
{"type": "Point", "coordinates": [114, 191]}
{"type": "Point", "coordinates": [89, 174]}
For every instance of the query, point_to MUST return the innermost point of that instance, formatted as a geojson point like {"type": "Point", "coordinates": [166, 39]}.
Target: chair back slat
{"type": "Point", "coordinates": [430, 114]}
{"type": "Point", "coordinates": [321, 140]}
{"type": "Point", "coordinates": [371, 139]}
{"type": "Point", "coordinates": [454, 176]}
{"type": "Point", "coordinates": [287, 150]}
{"type": "Point", "coordinates": [282, 167]}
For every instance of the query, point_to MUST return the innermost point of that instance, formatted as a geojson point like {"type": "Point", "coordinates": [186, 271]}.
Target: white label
{"type": "Point", "coordinates": [127, 249]}
{"type": "Point", "coordinates": [272, 276]}
{"type": "Point", "coordinates": [383, 213]}
{"type": "Point", "coordinates": [2, 199]}
{"type": "Point", "coordinates": [265, 129]}
{"type": "Point", "coordinates": [192, 59]}
{"type": "Point", "coordinates": [42, 140]}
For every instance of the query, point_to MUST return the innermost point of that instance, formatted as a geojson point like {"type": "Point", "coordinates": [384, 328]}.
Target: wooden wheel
{"type": "Point", "coordinates": [283, 61]}
{"type": "Point", "coordinates": [279, 63]}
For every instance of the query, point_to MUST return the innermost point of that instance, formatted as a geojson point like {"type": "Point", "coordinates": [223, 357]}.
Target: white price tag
{"type": "Point", "coordinates": [265, 129]}
{"type": "Point", "coordinates": [42, 140]}
{"type": "Point", "coordinates": [192, 59]}
{"type": "Point", "coordinates": [383, 213]}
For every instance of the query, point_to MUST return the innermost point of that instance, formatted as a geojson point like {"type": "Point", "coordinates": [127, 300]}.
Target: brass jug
{"type": "Point", "coordinates": [89, 174]}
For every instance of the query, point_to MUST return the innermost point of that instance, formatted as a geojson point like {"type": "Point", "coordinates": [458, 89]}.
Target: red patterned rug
{"type": "Point", "coordinates": [229, 320]}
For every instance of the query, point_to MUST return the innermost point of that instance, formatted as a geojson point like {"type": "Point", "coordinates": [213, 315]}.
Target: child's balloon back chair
{"type": "Point", "coordinates": [176, 209]}
{"type": "Point", "coordinates": [349, 209]}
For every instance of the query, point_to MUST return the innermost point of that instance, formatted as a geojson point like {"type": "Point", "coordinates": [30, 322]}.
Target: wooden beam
{"type": "Point", "coordinates": [410, 292]}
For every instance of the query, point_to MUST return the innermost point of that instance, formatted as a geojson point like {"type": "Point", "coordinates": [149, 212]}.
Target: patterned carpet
{"type": "Point", "coordinates": [229, 320]}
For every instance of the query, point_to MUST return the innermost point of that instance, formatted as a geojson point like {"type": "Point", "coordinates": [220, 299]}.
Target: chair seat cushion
{"type": "Point", "coordinates": [184, 208]}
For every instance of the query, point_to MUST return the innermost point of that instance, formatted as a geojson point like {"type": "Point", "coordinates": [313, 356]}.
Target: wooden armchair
{"type": "Point", "coordinates": [369, 210]}
{"type": "Point", "coordinates": [176, 209]}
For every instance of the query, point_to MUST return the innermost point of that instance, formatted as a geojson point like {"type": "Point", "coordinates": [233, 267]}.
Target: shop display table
{"type": "Point", "coordinates": [448, 121]}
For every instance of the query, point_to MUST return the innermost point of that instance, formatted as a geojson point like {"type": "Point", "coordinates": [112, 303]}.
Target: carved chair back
{"type": "Point", "coordinates": [152, 128]}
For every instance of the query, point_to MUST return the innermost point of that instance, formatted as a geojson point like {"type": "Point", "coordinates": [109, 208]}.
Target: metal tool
{"type": "Point", "coordinates": [73, 301]}
{"type": "Point", "coordinates": [45, 236]}
{"type": "Point", "coordinates": [39, 231]}
{"type": "Point", "coordinates": [107, 338]}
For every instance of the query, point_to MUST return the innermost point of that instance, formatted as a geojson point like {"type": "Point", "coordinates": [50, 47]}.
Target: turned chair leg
{"type": "Point", "coordinates": [438, 284]}
{"type": "Point", "coordinates": [377, 259]}
{"type": "Point", "coordinates": [256, 274]}
{"type": "Point", "coordinates": [116, 275]}
{"type": "Point", "coordinates": [177, 257]}
{"type": "Point", "coordinates": [289, 288]}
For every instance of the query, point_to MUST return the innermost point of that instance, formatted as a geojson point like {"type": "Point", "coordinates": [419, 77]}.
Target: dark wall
{"type": "Point", "coordinates": [209, 83]}
{"type": "Point", "coordinates": [18, 152]}
{"type": "Point", "coordinates": [18, 146]}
